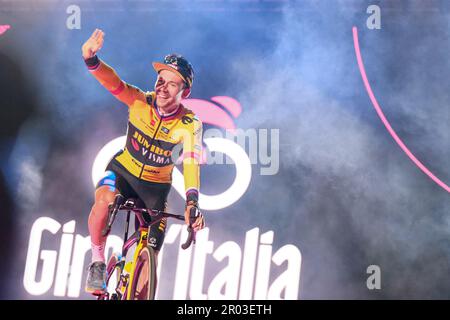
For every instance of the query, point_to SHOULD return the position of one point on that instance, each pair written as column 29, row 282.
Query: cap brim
column 158, row 66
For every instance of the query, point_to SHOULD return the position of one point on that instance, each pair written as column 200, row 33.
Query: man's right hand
column 93, row 44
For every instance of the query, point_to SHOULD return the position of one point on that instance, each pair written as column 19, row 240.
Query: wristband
column 92, row 63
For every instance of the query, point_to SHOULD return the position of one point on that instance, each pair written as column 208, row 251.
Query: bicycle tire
column 113, row 266
column 144, row 277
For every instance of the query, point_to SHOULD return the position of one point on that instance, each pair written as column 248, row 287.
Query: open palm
column 93, row 44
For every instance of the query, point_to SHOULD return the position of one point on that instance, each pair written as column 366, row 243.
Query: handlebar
column 120, row 204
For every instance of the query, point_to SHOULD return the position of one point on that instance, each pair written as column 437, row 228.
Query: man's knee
column 103, row 197
column 100, row 207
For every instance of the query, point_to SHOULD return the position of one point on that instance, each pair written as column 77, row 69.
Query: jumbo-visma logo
column 209, row 113
column 141, row 146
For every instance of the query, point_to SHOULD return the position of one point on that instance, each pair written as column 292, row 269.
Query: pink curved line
column 232, row 105
column 4, row 28
column 209, row 113
column 383, row 118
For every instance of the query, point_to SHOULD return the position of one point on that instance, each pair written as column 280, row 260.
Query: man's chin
column 163, row 103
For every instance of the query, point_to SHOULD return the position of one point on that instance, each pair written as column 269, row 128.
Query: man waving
column 157, row 122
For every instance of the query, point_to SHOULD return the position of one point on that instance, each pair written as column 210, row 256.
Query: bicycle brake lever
column 111, row 219
column 112, row 212
column 190, row 239
column 191, row 231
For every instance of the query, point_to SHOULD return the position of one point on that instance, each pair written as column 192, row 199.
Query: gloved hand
column 199, row 221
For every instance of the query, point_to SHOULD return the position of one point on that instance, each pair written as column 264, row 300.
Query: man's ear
column 186, row 93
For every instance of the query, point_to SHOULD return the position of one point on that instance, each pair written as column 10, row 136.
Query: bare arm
column 105, row 74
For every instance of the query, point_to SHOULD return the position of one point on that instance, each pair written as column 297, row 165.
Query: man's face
column 169, row 89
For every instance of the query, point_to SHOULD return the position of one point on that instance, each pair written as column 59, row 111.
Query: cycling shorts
column 152, row 194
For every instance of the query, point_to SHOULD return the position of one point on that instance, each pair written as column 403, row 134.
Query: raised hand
column 93, row 44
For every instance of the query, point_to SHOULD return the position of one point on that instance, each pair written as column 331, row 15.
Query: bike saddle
column 134, row 203
column 130, row 203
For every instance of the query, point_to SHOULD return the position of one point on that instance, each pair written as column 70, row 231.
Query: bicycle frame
column 139, row 237
column 142, row 234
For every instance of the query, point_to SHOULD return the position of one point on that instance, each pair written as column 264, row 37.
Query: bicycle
column 136, row 279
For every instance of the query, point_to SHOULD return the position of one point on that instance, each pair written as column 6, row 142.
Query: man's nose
column 163, row 86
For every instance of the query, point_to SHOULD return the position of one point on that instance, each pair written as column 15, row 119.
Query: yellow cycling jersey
column 152, row 139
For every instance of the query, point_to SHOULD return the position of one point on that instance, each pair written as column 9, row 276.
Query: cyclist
column 157, row 122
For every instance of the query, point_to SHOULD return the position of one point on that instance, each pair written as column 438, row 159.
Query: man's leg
column 104, row 195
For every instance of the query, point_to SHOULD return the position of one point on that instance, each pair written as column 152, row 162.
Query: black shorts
column 153, row 195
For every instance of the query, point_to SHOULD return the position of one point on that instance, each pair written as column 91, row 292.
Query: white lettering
column 274, row 159
column 203, row 247
column 263, row 271
column 82, row 246
column 183, row 269
column 226, row 280
column 48, row 257
column 248, row 265
column 65, row 252
column 374, row 21
column 246, row 274
column 289, row 280
column 374, row 281
column 74, row 20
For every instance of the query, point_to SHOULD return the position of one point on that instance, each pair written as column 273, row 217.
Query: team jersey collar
column 166, row 116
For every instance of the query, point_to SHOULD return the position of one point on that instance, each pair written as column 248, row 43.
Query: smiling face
column 170, row 90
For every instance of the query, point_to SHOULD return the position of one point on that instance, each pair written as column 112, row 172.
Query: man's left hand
column 199, row 221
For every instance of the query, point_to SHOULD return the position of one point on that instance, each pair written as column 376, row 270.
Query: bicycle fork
column 141, row 243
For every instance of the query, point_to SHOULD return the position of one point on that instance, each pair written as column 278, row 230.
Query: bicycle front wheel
column 113, row 272
column 144, row 277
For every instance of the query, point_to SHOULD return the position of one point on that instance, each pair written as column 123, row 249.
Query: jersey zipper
column 151, row 143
